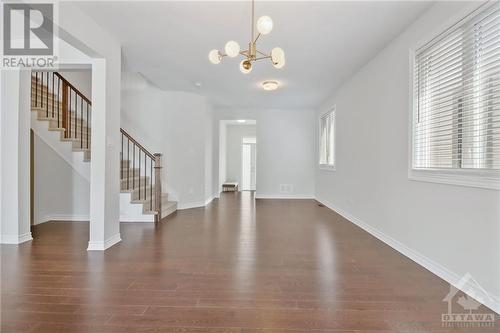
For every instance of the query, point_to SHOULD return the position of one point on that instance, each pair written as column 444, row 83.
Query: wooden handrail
column 63, row 102
column 137, row 143
column 129, row 146
column 73, row 88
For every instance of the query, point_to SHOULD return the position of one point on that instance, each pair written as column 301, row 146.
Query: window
column 327, row 140
column 456, row 98
column 249, row 140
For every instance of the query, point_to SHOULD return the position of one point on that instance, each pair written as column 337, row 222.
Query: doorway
column 248, row 164
column 238, row 155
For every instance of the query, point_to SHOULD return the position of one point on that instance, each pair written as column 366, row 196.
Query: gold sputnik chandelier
column 252, row 54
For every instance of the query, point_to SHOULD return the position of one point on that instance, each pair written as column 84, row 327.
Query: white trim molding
column 210, row 199
column 284, row 196
column 490, row 300
column 471, row 178
column 190, row 205
column 326, row 167
column 16, row 239
column 145, row 218
column 101, row 246
column 63, row 218
column 199, row 204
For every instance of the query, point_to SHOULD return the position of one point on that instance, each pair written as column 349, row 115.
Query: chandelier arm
column 256, row 38
column 264, row 54
column 266, row 57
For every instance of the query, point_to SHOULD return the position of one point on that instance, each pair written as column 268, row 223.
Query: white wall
column 457, row 228
column 178, row 125
column 220, row 163
column 80, row 78
column 185, row 129
column 15, row 168
column 15, row 119
column 80, row 31
column 285, row 149
column 60, row 193
column 235, row 135
column 210, row 194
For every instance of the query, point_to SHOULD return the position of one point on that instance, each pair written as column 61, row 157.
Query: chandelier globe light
column 232, row 49
column 245, row 66
column 264, row 25
column 214, row 56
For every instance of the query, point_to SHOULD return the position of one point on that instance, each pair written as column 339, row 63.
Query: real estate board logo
column 465, row 305
column 28, row 34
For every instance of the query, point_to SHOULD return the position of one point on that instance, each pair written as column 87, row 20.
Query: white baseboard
column 181, row 206
column 210, row 199
column 106, row 244
column 490, row 300
column 197, row 204
column 142, row 219
column 284, row 196
column 190, row 205
column 63, row 217
column 86, row 218
column 15, row 239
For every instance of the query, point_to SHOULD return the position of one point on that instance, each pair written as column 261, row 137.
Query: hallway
column 238, row 265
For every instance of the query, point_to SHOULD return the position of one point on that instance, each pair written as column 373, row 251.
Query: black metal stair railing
column 64, row 103
column 140, row 171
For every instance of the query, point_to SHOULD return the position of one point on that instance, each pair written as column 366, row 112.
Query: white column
column 15, row 156
column 104, row 167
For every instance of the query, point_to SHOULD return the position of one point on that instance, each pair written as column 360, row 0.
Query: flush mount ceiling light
column 270, row 85
column 251, row 55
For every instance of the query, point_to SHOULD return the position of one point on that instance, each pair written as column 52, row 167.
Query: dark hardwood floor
column 238, row 265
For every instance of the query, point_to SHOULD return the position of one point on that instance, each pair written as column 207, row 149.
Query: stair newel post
column 65, row 107
column 157, row 168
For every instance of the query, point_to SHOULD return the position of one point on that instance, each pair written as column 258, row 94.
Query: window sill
column 470, row 178
column 326, row 167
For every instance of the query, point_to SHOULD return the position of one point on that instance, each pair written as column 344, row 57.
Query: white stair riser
column 47, row 123
column 64, row 149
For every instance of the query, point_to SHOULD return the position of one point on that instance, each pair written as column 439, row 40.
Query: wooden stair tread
column 49, row 107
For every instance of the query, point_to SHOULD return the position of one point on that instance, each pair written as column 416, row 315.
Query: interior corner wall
column 285, row 149
column 455, row 228
column 60, row 193
column 220, row 163
column 209, row 155
column 179, row 125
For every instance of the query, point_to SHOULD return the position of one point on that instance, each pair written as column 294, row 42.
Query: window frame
column 480, row 178
column 328, row 167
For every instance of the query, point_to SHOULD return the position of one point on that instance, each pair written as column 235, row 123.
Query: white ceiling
column 325, row 42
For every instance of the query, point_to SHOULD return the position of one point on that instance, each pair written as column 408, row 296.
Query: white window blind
column 456, row 111
column 326, row 139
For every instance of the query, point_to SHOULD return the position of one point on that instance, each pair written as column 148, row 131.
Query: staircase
column 140, row 177
column 56, row 102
